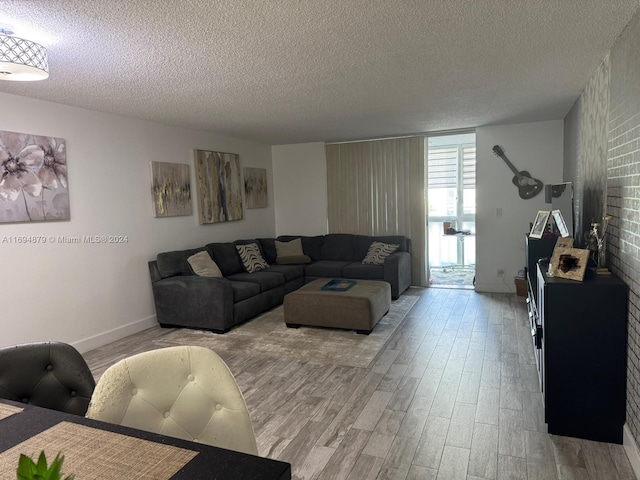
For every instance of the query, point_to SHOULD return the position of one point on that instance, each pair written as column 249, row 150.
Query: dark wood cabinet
column 582, row 355
column 535, row 250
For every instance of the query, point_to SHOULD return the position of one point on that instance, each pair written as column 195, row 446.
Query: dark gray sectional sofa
column 183, row 299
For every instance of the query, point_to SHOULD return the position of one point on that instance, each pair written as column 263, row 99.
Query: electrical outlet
column 500, row 272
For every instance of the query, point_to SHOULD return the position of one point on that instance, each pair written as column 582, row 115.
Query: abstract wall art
column 219, row 187
column 255, row 187
column 170, row 189
column 33, row 178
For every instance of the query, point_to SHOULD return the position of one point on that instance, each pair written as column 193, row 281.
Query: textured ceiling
column 290, row 71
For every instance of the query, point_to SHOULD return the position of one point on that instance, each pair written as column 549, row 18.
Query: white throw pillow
column 289, row 249
column 251, row 257
column 203, row 265
column 378, row 251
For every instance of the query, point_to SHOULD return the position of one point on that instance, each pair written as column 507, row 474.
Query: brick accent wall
column 602, row 158
column 623, row 196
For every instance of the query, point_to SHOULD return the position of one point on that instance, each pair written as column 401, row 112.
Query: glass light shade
column 22, row 60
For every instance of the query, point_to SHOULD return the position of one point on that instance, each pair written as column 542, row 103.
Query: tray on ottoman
column 358, row 308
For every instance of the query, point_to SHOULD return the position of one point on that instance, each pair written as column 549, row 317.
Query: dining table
column 94, row 449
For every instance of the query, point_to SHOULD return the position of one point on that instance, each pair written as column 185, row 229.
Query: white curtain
column 378, row 188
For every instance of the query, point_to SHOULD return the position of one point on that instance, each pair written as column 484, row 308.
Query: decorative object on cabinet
column 581, row 355
column 170, row 189
column 33, row 173
column 569, row 263
column 564, row 242
column 539, row 224
column 596, row 243
column 219, row 187
column 562, row 226
column 255, row 187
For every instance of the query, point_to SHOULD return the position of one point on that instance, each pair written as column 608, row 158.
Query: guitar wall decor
column 528, row 187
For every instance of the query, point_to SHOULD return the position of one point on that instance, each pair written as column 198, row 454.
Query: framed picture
column 564, row 242
column 539, row 224
column 255, row 187
column 570, row 263
column 559, row 219
column 218, row 186
column 34, row 185
column 170, row 189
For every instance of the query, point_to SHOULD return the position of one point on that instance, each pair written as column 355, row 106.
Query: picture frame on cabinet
column 563, row 242
column 569, row 263
column 560, row 223
column 539, row 224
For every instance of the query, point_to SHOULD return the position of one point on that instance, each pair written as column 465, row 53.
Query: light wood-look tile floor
column 454, row 395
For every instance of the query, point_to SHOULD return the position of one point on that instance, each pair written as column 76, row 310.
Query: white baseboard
column 494, row 288
column 631, row 447
column 109, row 336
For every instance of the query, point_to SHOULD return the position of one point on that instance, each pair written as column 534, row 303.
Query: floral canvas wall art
column 218, row 185
column 255, row 187
column 33, row 178
column 170, row 189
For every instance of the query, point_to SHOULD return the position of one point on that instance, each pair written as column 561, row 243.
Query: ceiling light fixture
column 20, row 59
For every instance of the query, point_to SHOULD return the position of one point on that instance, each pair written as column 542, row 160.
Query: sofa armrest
column 397, row 271
column 154, row 272
column 194, row 302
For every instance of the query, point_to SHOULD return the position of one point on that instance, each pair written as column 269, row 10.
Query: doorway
column 451, row 210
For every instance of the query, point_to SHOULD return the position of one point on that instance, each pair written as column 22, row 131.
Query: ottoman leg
column 363, row 332
column 292, row 325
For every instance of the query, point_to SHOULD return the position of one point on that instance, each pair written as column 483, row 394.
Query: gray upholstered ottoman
column 358, row 308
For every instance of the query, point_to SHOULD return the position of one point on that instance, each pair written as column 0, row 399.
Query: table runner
column 8, row 410
column 90, row 453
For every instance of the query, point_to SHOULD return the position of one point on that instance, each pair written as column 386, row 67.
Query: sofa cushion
column 226, row 257
column 290, row 248
column 251, row 257
column 265, row 279
column 289, row 272
column 293, row 260
column 325, row 268
column 175, row 263
column 203, row 266
column 363, row 242
column 378, row 251
column 365, row 272
column 268, row 247
column 311, row 246
column 338, row 247
column 244, row 290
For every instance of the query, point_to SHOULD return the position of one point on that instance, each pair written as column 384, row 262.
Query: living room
column 91, row 294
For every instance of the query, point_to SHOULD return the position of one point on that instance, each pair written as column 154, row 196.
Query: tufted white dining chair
column 185, row 392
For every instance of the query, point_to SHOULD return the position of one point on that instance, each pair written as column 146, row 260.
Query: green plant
column 29, row 470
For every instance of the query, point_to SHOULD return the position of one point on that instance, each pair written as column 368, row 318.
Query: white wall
column 89, row 294
column 300, row 187
column 534, row 147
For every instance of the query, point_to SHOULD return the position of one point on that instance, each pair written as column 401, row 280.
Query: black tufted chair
column 46, row 374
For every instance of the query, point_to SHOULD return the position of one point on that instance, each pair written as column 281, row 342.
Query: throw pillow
column 378, row 251
column 289, row 249
column 203, row 265
column 251, row 257
column 293, row 260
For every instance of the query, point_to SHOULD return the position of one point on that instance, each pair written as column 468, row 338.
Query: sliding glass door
column 451, row 201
